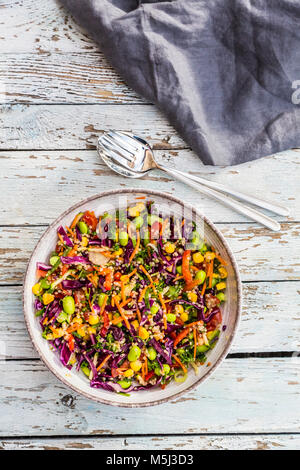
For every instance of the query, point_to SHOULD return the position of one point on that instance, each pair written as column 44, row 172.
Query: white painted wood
column 243, row 396
column 75, row 78
column 57, row 179
column 261, row 254
column 40, row 26
column 270, row 320
column 180, row 442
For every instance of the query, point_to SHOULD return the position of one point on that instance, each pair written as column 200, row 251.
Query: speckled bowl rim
column 239, row 297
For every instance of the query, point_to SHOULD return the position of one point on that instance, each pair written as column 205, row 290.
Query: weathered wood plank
column 261, row 254
column 180, row 442
column 77, row 126
column 74, row 78
column 270, row 320
column 40, row 26
column 48, row 176
column 243, row 396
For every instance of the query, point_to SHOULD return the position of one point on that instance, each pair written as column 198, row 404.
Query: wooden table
column 57, row 93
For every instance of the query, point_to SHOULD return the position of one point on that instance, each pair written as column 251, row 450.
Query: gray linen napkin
column 222, row 71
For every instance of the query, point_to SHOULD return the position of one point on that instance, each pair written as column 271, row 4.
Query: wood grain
column 75, row 78
column 243, row 396
column 270, row 320
column 220, row 442
column 57, row 179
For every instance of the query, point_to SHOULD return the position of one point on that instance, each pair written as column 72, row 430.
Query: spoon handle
column 228, row 201
column 270, row 206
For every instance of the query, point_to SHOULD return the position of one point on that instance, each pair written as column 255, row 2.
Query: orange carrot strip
column 76, row 220
column 104, row 361
column 163, row 227
column 180, row 363
column 146, row 366
column 178, row 277
column 123, row 292
column 194, row 323
column 211, row 272
column 122, row 314
column 115, row 321
column 142, row 294
column 203, row 288
column 125, row 303
column 195, row 344
column 138, row 314
column 222, row 261
column 181, row 336
column 132, row 273
column 136, row 249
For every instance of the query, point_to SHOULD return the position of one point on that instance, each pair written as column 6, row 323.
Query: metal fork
column 132, row 157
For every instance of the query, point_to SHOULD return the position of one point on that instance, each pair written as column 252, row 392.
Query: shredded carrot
column 211, row 272
column 115, row 321
column 183, row 222
column 142, row 293
column 132, row 273
column 195, row 344
column 163, row 227
column 73, row 328
column 125, row 303
column 122, row 314
column 178, row 277
column 149, row 277
column 93, row 278
column 123, row 292
column 143, row 371
column 199, row 322
column 140, row 197
column 104, row 304
column 222, row 261
column 61, row 238
column 138, row 314
column 203, row 288
column 194, row 268
column 146, row 366
column 136, row 249
column 164, row 310
column 181, row 336
column 180, row 363
column 104, row 361
column 76, row 220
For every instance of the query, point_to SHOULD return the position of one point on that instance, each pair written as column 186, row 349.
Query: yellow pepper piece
column 92, row 331
column 179, row 309
column 221, row 286
column 184, row 317
column 48, row 298
column 198, row 257
column 136, row 365
column 135, row 324
column 93, row 319
column 118, row 252
column 84, row 241
column 134, row 211
column 223, row 272
column 36, row 289
column 209, row 255
column 192, row 296
column 143, row 333
column 169, row 248
column 128, row 373
column 81, row 331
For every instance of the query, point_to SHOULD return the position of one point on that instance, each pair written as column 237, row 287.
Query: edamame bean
column 171, row 317
column 154, row 309
column 53, row 260
column 124, row 383
column 138, row 221
column 151, row 353
column 101, row 299
column 179, row 269
column 123, row 238
column 83, row 227
column 134, row 353
column 45, row 284
column 69, row 304
column 165, row 371
column 200, row 276
column 221, row 296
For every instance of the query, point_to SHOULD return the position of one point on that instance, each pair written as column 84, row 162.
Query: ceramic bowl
column 76, row 380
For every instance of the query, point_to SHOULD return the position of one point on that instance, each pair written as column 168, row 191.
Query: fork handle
column 270, row 206
column 228, row 201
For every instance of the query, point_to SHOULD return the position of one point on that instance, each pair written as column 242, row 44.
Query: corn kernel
column 81, row 331
column 58, row 333
column 223, row 272
column 221, row 286
column 93, row 319
column 143, row 333
column 184, row 317
column 118, row 252
column 128, row 373
column 133, row 211
column 110, row 316
column 136, row 365
column 209, row 255
column 84, row 241
column 140, row 206
column 48, row 298
column 92, row 331
column 135, row 324
column 179, row 308
column 169, row 248
column 198, row 257
column 36, row 289
column 192, row 296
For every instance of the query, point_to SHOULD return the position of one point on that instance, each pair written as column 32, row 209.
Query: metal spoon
column 132, row 157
